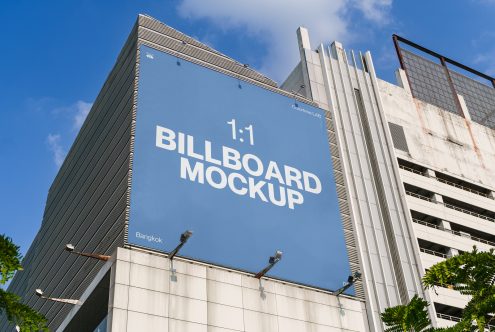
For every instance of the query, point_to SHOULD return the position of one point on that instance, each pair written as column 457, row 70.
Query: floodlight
column 183, row 239
column 271, row 262
column 350, row 281
column 71, row 249
column 185, row 236
column 275, row 258
column 39, row 292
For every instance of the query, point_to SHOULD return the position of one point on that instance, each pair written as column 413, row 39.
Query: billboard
column 246, row 169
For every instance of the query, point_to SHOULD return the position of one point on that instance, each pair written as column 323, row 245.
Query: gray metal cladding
column 156, row 35
column 156, row 32
column 398, row 137
column 480, row 98
column 343, row 205
column 87, row 201
column 429, row 82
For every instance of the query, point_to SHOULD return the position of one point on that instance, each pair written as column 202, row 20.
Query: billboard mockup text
column 246, row 169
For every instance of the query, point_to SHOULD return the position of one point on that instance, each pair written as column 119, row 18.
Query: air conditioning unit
column 464, row 234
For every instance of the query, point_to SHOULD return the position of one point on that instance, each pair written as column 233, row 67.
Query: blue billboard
column 246, row 169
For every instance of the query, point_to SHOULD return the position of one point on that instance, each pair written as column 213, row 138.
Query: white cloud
column 374, row 10
column 486, row 62
column 81, row 109
column 56, row 148
column 274, row 22
column 67, row 120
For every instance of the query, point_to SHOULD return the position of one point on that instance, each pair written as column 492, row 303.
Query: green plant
column 470, row 273
column 412, row 317
column 17, row 312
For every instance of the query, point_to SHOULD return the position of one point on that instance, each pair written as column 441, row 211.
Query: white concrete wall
column 375, row 203
column 438, row 140
column 445, row 141
column 143, row 297
column 448, row 143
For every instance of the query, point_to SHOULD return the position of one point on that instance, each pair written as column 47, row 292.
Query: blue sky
column 56, row 55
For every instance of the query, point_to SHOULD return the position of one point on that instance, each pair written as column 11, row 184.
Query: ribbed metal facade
column 87, row 201
column 345, row 213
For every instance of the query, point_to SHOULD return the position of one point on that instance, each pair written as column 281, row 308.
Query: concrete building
column 417, row 160
column 412, row 172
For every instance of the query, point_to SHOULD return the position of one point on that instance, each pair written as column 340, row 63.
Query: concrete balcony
column 427, row 206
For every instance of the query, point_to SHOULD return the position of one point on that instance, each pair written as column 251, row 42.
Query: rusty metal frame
column 446, row 60
column 443, row 62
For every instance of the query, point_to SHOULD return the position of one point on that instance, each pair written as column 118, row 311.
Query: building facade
column 418, row 163
column 412, row 176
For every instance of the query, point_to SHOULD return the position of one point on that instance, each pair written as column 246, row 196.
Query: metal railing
column 450, row 183
column 450, row 206
column 425, row 198
column 465, row 235
column 458, row 319
column 474, row 191
column 409, row 169
column 448, row 317
column 433, row 252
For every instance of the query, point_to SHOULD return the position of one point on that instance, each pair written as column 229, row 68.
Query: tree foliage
column 16, row 312
column 407, row 318
column 10, row 259
column 470, row 273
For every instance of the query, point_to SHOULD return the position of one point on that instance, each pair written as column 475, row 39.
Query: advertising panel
column 247, row 170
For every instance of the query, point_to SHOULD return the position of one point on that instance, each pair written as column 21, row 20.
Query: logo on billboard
column 149, row 238
column 219, row 166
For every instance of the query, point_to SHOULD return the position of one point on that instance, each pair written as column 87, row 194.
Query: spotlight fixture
column 271, row 263
column 183, row 239
column 350, row 281
column 71, row 249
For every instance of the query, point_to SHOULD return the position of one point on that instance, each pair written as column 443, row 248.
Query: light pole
column 183, row 239
column 71, row 249
column 271, row 263
column 350, row 281
column 41, row 295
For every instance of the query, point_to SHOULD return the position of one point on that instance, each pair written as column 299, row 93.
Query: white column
column 452, row 252
column 464, row 108
column 402, row 81
column 445, row 224
column 429, row 173
column 436, row 198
